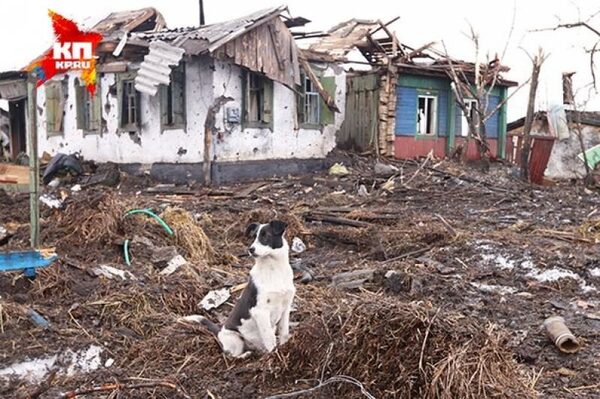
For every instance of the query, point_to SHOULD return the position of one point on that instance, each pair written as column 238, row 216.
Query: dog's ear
column 278, row 227
column 251, row 229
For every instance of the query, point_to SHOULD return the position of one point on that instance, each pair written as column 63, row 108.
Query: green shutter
column 178, row 93
column 327, row 115
column 54, row 110
column 163, row 94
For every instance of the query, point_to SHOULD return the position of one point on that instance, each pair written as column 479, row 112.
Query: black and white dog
column 263, row 310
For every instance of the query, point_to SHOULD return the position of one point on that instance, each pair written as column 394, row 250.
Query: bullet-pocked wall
column 286, row 138
column 205, row 80
column 151, row 143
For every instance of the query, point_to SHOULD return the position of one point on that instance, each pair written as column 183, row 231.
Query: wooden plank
column 14, row 174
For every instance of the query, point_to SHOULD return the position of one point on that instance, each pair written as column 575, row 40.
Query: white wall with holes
column 285, row 140
column 206, row 79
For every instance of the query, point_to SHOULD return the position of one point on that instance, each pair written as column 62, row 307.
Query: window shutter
column 96, row 111
column 178, row 92
column 163, row 93
column 62, row 90
column 80, row 103
column 327, row 115
column 268, row 100
column 50, row 108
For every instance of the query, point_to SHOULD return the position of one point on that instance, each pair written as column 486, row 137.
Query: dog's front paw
column 284, row 338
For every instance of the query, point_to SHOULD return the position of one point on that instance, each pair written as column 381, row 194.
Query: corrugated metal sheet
column 209, row 37
column 156, row 68
column 541, row 150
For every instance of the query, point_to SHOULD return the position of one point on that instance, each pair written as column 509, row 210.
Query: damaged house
column 404, row 106
column 558, row 132
column 219, row 102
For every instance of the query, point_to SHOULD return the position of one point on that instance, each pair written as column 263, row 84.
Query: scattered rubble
column 449, row 270
column 214, row 299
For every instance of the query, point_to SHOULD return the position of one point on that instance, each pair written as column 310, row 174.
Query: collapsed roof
column 388, row 50
column 584, row 117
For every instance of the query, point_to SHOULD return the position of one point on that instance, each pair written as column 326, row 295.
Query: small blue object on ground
column 28, row 261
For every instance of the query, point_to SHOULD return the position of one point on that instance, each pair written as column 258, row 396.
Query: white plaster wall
column 235, row 144
column 564, row 163
column 154, row 145
column 151, row 144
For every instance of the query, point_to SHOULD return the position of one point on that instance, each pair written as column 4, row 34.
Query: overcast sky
column 25, row 30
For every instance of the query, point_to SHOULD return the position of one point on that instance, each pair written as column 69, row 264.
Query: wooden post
column 34, row 162
column 538, row 60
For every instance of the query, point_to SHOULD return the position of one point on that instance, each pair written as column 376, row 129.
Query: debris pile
column 401, row 350
column 434, row 284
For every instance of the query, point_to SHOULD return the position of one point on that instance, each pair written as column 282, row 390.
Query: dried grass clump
column 177, row 349
column 189, row 235
column 400, row 350
column 90, row 220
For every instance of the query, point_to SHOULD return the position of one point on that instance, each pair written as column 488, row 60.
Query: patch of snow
column 84, row 361
column 34, row 371
column 500, row 261
column 527, row 266
column 556, row 274
column 551, row 275
column 31, row 371
column 500, row 289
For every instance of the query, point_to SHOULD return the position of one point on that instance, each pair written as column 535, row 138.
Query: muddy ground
column 460, row 269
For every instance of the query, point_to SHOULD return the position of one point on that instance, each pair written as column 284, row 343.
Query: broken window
column 471, row 106
column 129, row 99
column 89, row 111
column 427, row 115
column 258, row 100
column 312, row 110
column 309, row 103
column 55, row 106
column 172, row 99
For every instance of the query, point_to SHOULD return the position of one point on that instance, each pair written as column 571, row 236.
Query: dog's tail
column 210, row 326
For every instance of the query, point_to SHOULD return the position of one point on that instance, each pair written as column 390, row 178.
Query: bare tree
column 582, row 23
column 476, row 81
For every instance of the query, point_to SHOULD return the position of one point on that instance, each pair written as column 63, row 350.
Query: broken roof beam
column 418, row 51
column 391, row 35
column 329, row 101
column 381, row 26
